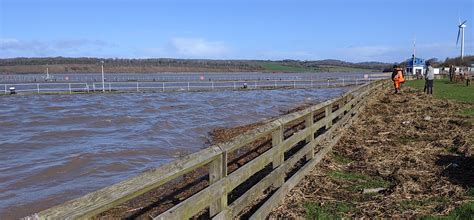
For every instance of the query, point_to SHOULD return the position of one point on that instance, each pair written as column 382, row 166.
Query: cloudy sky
column 364, row 30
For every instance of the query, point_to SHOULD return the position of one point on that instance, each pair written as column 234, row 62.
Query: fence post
column 234, row 85
column 218, row 170
column 137, row 87
column 279, row 157
column 69, row 88
column 311, row 82
column 5, row 88
column 327, row 114
column 342, row 81
column 294, row 84
column 163, row 86
column 188, row 86
column 93, row 86
column 255, row 84
column 38, row 87
column 328, row 83
column 275, row 84
column 308, row 123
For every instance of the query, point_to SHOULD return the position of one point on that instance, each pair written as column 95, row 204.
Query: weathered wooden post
column 328, row 112
column 217, row 171
column 308, row 122
column 279, row 157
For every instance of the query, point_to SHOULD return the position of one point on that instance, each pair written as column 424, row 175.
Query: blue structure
column 415, row 66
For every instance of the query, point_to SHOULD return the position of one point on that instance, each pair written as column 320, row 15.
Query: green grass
column 414, row 204
column 341, row 159
column 276, row 67
column 465, row 211
column 359, row 181
column 469, row 112
column 331, row 210
column 443, row 88
column 470, row 192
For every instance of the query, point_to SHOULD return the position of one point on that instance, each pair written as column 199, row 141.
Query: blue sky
column 365, row 30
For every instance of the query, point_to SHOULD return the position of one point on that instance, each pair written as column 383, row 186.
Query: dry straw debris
column 413, row 150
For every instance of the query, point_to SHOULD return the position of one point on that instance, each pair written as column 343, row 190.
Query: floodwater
column 54, row 148
column 175, row 77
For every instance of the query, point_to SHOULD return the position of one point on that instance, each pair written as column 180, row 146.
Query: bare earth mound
column 412, row 151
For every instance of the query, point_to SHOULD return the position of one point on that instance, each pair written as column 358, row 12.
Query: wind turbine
column 461, row 27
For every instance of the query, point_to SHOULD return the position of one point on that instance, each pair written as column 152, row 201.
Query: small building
column 415, row 66
column 471, row 67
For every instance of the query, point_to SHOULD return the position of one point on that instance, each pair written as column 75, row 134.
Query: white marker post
column 103, row 80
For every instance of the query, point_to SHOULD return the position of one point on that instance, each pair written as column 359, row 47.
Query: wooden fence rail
column 338, row 112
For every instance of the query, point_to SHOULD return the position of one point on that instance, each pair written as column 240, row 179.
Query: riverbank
column 408, row 156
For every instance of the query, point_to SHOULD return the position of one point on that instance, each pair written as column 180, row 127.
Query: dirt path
column 414, row 147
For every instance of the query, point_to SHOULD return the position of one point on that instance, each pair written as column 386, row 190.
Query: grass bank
column 395, row 162
column 459, row 92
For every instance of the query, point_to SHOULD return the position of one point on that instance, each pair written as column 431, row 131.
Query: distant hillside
column 114, row 65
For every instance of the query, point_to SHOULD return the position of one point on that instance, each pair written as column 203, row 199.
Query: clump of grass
column 332, row 210
column 347, row 175
column 468, row 112
column 465, row 211
column 414, row 204
column 341, row 159
column 470, row 192
column 359, row 181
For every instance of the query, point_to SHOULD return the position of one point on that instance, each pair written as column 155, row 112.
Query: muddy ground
column 413, row 151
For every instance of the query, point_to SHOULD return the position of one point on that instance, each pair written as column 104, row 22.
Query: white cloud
column 198, row 48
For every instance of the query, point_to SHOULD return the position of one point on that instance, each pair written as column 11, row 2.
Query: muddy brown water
column 54, row 148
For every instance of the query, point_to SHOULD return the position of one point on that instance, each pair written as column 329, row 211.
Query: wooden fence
column 317, row 137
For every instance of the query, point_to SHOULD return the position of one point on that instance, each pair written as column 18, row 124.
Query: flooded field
column 54, row 148
column 172, row 77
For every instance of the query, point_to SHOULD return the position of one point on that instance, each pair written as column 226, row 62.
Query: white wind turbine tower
column 461, row 27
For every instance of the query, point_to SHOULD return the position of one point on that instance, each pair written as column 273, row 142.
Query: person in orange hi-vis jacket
column 398, row 78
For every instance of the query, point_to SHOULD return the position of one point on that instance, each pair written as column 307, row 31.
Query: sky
column 350, row 30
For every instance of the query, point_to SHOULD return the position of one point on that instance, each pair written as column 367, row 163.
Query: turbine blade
column 459, row 32
column 463, row 22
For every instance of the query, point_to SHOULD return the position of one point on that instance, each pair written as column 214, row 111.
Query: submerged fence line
column 303, row 137
column 42, row 88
